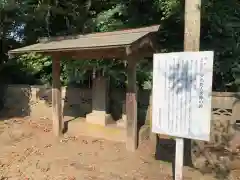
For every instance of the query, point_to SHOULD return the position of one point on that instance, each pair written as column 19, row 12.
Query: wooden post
column 192, row 25
column 191, row 43
column 56, row 97
column 131, row 106
column 179, row 159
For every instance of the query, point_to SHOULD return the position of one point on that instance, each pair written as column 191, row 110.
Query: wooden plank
column 131, row 106
column 179, row 159
column 56, row 97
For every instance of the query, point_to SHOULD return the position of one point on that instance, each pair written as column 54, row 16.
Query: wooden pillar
column 192, row 25
column 131, row 106
column 56, row 97
column 191, row 43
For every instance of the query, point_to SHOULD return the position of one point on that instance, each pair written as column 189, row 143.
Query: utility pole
column 192, row 21
column 192, row 39
column 192, row 25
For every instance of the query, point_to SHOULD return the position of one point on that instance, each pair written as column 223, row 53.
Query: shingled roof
column 114, row 43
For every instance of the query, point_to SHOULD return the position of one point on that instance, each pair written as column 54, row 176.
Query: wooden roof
column 116, row 44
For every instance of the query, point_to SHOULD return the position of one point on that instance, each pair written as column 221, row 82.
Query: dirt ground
column 29, row 151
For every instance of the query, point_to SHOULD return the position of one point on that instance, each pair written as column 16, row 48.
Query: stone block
column 99, row 117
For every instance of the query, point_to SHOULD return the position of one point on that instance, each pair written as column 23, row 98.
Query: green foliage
column 38, row 65
column 167, row 7
column 73, row 71
column 221, row 33
column 30, row 19
column 107, row 21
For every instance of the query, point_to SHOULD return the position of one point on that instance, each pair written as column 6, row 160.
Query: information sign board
column 182, row 87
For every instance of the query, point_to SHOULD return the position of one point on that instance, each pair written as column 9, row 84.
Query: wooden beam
column 102, row 53
column 145, row 46
column 56, row 97
column 131, row 106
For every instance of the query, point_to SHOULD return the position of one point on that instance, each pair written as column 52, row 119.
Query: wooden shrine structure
column 129, row 45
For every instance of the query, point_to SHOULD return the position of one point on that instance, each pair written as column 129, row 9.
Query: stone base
column 79, row 127
column 122, row 123
column 144, row 133
column 100, row 118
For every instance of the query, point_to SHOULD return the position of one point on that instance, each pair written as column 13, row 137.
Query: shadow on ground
column 165, row 151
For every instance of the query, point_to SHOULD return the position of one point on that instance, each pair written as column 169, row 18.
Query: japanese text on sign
column 182, row 86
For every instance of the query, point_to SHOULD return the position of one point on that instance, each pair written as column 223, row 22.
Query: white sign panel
column 182, row 87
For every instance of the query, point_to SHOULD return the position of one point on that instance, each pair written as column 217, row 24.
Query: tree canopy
column 23, row 22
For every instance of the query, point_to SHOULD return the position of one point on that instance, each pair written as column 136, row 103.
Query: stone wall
column 221, row 153
column 24, row 100
column 35, row 101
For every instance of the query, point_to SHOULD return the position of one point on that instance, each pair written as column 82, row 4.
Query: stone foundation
column 99, row 117
column 123, row 122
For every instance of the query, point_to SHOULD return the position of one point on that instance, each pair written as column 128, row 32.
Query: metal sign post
column 182, row 86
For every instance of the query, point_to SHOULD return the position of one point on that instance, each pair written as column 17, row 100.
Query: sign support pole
column 179, row 158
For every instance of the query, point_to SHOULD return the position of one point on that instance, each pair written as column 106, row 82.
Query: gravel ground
column 29, row 151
